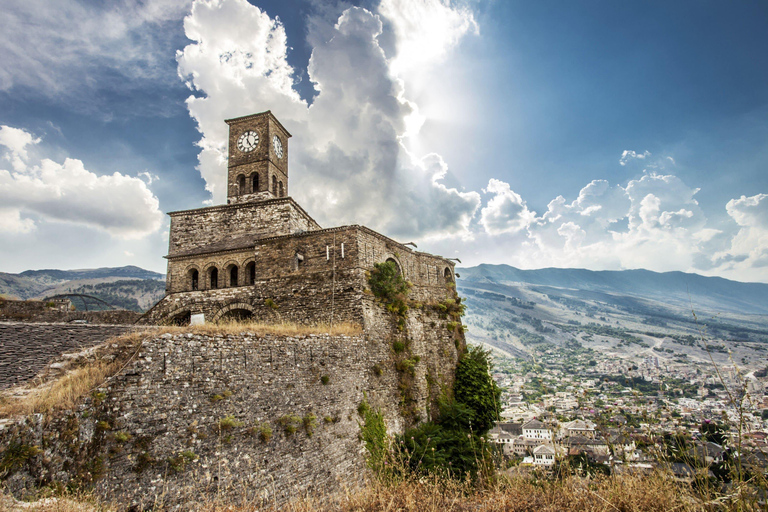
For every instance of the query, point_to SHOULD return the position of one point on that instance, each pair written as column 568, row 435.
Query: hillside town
column 611, row 414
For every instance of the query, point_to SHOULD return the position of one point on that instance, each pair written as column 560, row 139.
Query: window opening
column 195, row 279
column 241, row 184
column 233, row 276
column 214, row 278
column 250, row 271
column 280, row 189
column 255, row 183
column 274, row 186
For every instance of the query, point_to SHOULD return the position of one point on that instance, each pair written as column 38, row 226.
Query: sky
column 594, row 134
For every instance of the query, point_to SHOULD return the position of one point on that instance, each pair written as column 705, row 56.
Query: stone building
column 262, row 256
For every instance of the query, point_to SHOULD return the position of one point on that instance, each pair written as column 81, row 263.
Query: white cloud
column 505, row 212
column 628, row 155
column 748, row 248
column 54, row 48
column 347, row 162
column 120, row 205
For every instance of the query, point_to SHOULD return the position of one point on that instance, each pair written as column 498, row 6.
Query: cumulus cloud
column 505, row 212
column 628, row 155
column 48, row 47
column 120, row 205
column 347, row 161
column 748, row 248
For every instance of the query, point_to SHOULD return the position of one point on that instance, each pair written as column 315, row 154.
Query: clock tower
column 258, row 158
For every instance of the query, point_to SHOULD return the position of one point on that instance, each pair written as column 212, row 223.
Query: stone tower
column 258, row 158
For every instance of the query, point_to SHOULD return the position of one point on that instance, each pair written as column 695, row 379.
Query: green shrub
column 325, row 379
column 229, row 422
column 398, row 346
column 310, row 422
column 290, row 423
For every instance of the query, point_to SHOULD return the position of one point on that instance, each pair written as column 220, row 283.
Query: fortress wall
column 308, row 291
column 130, row 442
column 41, row 311
column 193, row 229
column 26, row 348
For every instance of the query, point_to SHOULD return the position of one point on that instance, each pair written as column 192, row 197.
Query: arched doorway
column 448, row 275
column 183, row 318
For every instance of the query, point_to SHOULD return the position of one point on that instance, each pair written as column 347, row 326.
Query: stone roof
column 544, row 449
column 535, row 425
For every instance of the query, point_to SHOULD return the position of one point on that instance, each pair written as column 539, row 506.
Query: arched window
column 274, row 186
column 280, row 189
column 250, row 273
column 448, row 276
column 241, row 184
column 233, row 275
column 213, row 275
column 255, row 183
column 397, row 265
column 194, row 279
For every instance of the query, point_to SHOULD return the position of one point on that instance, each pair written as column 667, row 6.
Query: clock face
column 248, row 141
column 278, row 146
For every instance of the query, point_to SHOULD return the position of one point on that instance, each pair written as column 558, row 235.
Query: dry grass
column 84, row 372
column 526, row 493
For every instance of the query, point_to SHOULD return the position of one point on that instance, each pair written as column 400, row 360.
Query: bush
column 475, row 388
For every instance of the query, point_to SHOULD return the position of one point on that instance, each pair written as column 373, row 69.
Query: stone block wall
column 186, row 421
column 311, row 276
column 194, row 229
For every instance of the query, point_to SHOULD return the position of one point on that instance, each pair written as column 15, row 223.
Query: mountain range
column 680, row 289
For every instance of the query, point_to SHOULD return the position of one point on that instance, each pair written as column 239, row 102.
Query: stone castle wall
column 328, row 281
column 26, row 348
column 155, row 432
column 202, row 227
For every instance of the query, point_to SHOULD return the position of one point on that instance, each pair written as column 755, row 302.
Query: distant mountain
column 674, row 288
column 129, row 287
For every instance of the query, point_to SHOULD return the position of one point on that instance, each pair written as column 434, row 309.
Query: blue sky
column 593, row 134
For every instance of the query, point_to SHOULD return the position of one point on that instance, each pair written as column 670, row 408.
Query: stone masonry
column 261, row 248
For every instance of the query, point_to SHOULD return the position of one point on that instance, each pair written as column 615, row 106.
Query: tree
column 476, row 389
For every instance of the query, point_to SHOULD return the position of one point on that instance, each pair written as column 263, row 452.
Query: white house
column 544, row 455
column 535, row 429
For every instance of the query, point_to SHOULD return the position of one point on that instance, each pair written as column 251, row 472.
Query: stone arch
column 193, row 278
column 254, row 178
column 241, row 184
column 180, row 316
column 397, row 264
column 234, row 309
column 212, row 277
column 274, row 186
column 448, row 275
column 280, row 192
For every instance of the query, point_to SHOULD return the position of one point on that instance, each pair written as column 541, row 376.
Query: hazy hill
column 128, row 287
column 676, row 288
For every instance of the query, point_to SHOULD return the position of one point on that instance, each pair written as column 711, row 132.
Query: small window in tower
column 280, row 189
column 274, row 186
column 250, row 272
column 241, row 185
column 255, row 183
column 214, row 277
column 194, row 278
column 298, row 261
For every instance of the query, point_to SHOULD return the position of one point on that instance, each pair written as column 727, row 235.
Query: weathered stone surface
column 26, row 348
column 186, row 420
column 40, row 311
